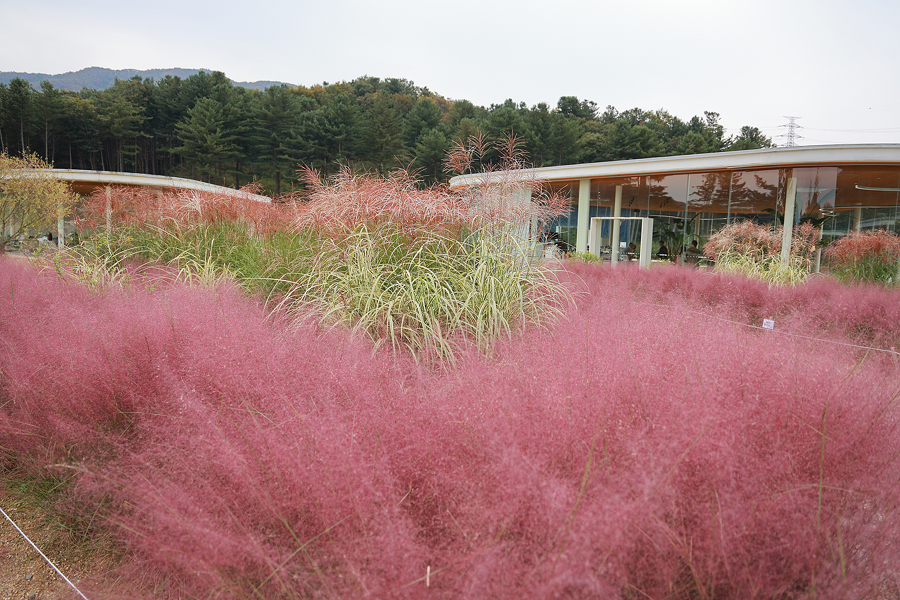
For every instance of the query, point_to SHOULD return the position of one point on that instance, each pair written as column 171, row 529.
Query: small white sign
column 768, row 324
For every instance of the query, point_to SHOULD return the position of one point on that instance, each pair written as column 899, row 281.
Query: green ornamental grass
column 426, row 294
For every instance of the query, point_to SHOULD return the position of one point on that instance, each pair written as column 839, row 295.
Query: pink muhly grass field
column 650, row 444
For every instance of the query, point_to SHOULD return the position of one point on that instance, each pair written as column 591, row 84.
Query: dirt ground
column 24, row 575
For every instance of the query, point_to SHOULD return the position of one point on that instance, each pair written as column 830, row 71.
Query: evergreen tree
column 504, row 120
column 47, row 117
column 463, row 119
column 205, row 141
column 539, row 142
column 750, row 138
column 167, row 106
column 340, row 128
column 431, row 149
column 120, row 124
column 277, row 134
column 425, row 114
column 566, row 136
column 80, row 126
column 17, row 111
column 570, row 106
column 383, row 133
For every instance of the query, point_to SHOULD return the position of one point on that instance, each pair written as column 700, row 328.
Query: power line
column 884, row 129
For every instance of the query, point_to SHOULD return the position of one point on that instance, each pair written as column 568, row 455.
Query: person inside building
column 663, row 252
column 692, row 254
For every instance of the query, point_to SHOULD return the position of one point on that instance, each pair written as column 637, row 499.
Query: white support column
column 788, row 230
column 584, row 212
column 616, row 227
column 857, row 218
column 646, row 241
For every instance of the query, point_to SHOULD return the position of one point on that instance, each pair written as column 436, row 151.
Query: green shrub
column 586, row 257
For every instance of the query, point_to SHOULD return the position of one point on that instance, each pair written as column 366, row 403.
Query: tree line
column 204, row 127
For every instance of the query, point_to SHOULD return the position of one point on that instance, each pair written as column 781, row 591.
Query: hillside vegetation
column 203, row 126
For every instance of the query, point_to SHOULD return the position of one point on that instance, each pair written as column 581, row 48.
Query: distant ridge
column 99, row 78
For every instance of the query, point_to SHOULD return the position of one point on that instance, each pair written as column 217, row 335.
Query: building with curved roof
column 841, row 189
column 86, row 182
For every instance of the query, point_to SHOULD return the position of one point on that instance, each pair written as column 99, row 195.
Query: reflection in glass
column 707, row 205
column 755, row 195
column 685, row 207
column 667, row 204
column 866, row 198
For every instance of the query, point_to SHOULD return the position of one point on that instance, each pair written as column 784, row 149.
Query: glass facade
column 839, row 199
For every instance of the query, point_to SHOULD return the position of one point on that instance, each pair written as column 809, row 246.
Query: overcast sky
column 833, row 63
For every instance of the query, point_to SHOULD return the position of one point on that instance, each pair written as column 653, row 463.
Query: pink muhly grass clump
column 820, row 307
column 643, row 446
column 216, row 445
column 60, row 366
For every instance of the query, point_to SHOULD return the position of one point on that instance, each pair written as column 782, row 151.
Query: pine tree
column 205, row 141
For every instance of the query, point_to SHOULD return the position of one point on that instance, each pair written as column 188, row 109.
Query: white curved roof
column 103, row 178
column 716, row 161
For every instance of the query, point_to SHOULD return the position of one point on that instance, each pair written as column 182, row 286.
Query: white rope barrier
column 44, row 556
column 772, row 329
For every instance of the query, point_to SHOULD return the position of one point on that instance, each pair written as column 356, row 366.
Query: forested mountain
column 206, row 127
column 98, row 78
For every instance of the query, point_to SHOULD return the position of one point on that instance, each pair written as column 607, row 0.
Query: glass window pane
column 756, row 195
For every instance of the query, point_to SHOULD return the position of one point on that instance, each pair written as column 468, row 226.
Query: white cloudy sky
column 833, row 63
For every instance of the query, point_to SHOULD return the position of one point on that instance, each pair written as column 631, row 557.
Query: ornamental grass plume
column 865, row 257
column 753, row 249
column 350, row 200
column 430, row 295
column 142, row 208
column 644, row 446
column 745, row 237
column 505, row 190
